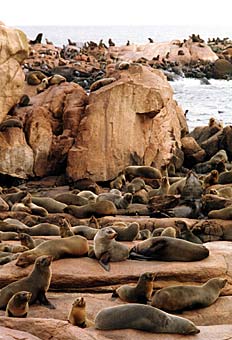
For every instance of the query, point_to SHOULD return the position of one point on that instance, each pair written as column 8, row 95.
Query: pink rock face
column 181, row 52
column 133, row 116
column 11, row 334
column 14, row 49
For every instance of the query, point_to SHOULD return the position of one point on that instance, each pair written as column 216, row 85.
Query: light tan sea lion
column 142, row 317
column 35, row 77
column 169, row 231
column 107, row 249
column 121, row 202
column 12, row 248
column 71, row 199
column 223, row 214
column 89, row 195
column 18, row 305
column 77, row 315
column 141, row 293
column 37, row 282
column 178, row 298
column 70, row 246
column 43, row 229
column 135, row 185
column 50, row 204
column 118, row 182
column 101, row 82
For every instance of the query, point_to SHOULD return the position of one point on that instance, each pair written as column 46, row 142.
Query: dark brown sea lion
column 128, row 233
column 141, row 293
column 185, row 233
column 165, row 248
column 142, row 171
column 37, row 282
column 143, row 317
column 178, row 298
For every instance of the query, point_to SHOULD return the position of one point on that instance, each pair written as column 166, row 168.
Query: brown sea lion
column 101, row 82
column 165, row 248
column 119, row 181
column 86, row 231
column 71, row 199
column 77, row 315
column 43, row 229
column 18, row 305
column 127, row 233
column 97, row 209
column 35, row 77
column 141, row 293
column 8, row 235
column 223, row 214
column 93, row 222
column 169, row 231
column 121, row 202
column 107, row 249
column 142, row 171
column 50, row 204
column 186, row 233
column 37, row 282
column 211, row 179
column 225, row 177
column 65, row 228
column 89, row 195
column 178, row 298
column 73, row 246
column 27, row 241
column 143, row 317
column 12, row 248
column 143, row 234
column 136, row 185
column 162, row 190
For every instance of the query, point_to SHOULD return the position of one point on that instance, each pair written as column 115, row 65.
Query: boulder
column 135, row 117
column 14, row 49
column 193, row 153
column 222, row 68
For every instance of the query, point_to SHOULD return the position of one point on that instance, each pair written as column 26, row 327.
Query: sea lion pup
column 91, row 196
column 100, row 83
column 210, row 179
column 50, row 204
column 77, row 314
column 165, row 248
column 65, row 229
column 127, row 233
column 74, row 246
column 157, row 232
column 107, row 249
column 27, row 241
column 142, row 171
column 97, row 209
column 143, row 317
column 186, row 233
column 141, row 293
column 169, row 231
column 135, row 185
column 162, row 190
column 121, row 202
column 143, row 234
column 179, row 298
column 119, row 181
column 69, row 198
column 37, row 282
column 84, row 230
column 93, row 223
column 18, row 305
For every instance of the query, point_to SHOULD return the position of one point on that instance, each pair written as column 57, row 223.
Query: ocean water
column 201, row 101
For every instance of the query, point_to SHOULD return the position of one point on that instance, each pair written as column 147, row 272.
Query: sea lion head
column 79, row 302
column 108, row 232
column 25, row 259
column 147, row 276
column 22, row 297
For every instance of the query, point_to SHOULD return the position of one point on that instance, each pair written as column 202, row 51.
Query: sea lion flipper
column 114, row 295
column 104, row 261
column 44, row 301
column 135, row 256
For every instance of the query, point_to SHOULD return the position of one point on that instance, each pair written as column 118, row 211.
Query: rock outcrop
column 133, row 119
column 14, row 49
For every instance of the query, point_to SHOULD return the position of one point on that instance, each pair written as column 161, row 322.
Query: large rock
column 182, row 52
column 14, row 49
column 133, row 117
column 11, row 334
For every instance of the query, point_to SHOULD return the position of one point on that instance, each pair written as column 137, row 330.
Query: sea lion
column 20, row 207
column 178, row 298
column 12, row 248
column 127, row 233
column 27, row 241
column 71, row 199
column 192, row 188
column 65, row 229
column 101, row 82
column 157, row 232
column 107, row 249
column 169, row 231
column 74, row 246
column 143, row 317
column 186, row 233
column 91, row 196
column 93, row 222
column 86, row 231
column 97, row 209
column 8, row 235
column 225, row 177
column 18, row 305
column 37, row 282
column 8, row 258
column 77, row 314
column 223, row 214
column 50, row 204
column 143, row 234
column 141, row 293
column 34, row 208
column 121, row 202
column 136, row 185
column 142, row 171
column 119, row 181
column 37, row 40
column 210, row 179
column 14, row 197
column 165, row 248
column 35, row 77
column 43, row 229
column 162, row 190
column 11, row 122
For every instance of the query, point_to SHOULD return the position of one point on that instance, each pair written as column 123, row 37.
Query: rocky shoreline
column 101, row 118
